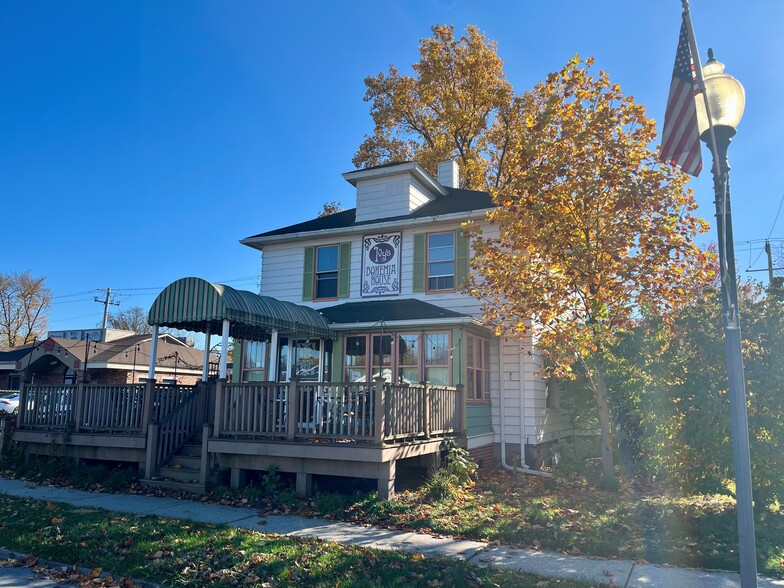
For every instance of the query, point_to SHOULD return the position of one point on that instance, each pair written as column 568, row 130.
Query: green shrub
column 460, row 465
column 440, row 485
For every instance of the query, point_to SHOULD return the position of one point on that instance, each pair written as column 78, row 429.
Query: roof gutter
column 463, row 320
column 259, row 242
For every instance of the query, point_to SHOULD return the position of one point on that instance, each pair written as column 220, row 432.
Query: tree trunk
column 600, row 390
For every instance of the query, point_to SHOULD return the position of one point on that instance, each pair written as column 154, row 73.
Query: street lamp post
column 725, row 100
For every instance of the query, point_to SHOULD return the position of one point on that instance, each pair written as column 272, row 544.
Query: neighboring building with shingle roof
column 123, row 359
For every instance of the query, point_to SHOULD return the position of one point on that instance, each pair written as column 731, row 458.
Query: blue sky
column 140, row 141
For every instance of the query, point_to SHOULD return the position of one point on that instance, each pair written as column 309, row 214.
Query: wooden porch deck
column 345, row 428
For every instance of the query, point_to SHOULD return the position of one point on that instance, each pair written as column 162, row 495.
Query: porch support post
column 380, row 411
column 292, row 408
column 386, row 480
column 204, row 469
column 461, row 425
column 426, row 404
column 149, row 399
column 238, row 478
column 151, row 455
column 23, row 416
column 205, row 366
column 224, row 348
column 218, row 407
column 153, row 352
column 273, row 358
column 79, row 406
column 304, row 484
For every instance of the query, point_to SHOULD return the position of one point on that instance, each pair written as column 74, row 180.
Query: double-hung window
column 326, row 279
column 441, row 261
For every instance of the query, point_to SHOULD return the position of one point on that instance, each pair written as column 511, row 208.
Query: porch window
column 441, row 261
column 437, row 354
column 478, row 364
column 326, row 272
column 407, row 358
column 408, row 350
column 254, row 361
column 356, row 359
column 382, row 357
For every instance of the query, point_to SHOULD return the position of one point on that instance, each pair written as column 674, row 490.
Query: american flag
column 681, row 137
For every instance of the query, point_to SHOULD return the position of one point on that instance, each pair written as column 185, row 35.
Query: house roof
column 376, row 311
column 13, row 354
column 72, row 352
column 456, row 200
column 194, row 304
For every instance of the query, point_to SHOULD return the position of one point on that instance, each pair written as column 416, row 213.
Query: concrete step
column 189, row 487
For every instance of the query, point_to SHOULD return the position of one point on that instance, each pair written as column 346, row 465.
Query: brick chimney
column 449, row 174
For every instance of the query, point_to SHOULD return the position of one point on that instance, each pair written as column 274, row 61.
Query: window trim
column 316, row 273
column 428, row 290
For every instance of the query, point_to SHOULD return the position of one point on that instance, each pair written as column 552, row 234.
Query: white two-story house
column 387, row 276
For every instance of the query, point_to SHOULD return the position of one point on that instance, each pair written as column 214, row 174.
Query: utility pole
column 106, row 302
column 770, row 263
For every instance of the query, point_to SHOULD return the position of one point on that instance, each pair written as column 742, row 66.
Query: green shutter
column 307, row 274
column 344, row 271
column 461, row 259
column 419, row 263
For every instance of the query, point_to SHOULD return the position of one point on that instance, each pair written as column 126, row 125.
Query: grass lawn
column 173, row 552
column 694, row 531
column 527, row 511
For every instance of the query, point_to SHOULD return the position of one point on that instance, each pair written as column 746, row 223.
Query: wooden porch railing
column 119, row 409
column 122, row 409
column 46, row 407
column 338, row 411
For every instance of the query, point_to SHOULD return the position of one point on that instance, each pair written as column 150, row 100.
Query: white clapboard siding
column 387, row 197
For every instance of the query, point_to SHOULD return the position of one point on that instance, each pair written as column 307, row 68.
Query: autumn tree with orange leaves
column 590, row 229
column 446, row 110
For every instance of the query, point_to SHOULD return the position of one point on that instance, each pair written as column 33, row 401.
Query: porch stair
column 181, row 472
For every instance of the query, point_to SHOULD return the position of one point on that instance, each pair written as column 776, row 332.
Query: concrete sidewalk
column 625, row 574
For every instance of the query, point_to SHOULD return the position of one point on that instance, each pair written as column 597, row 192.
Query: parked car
column 9, row 404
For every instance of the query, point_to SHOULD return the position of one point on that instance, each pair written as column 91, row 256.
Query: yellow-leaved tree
column 445, row 111
column 590, row 228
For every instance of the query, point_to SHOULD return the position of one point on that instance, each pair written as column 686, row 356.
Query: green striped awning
column 194, row 304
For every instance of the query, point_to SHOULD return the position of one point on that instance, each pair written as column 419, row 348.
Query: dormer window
column 326, row 272
column 441, row 261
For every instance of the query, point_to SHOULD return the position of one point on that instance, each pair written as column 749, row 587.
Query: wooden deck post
column 79, row 407
column 23, row 418
column 304, row 484
column 149, row 401
column 386, row 480
column 204, row 469
column 292, row 408
column 380, row 411
column 426, row 404
column 218, row 406
column 152, row 451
